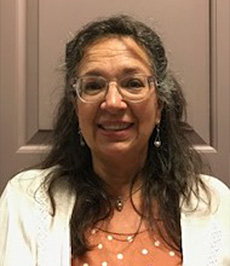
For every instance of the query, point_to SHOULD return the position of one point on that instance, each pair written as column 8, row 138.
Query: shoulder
column 215, row 185
column 212, row 198
column 20, row 211
column 30, row 180
column 219, row 192
column 27, row 191
column 27, row 183
column 26, row 220
column 220, row 200
column 25, row 188
column 205, row 223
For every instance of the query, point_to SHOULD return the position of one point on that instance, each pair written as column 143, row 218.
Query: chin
column 117, row 149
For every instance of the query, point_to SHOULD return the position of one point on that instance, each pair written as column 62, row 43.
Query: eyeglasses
column 134, row 88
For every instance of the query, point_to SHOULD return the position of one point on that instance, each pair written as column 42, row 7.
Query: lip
column 115, row 126
column 116, row 131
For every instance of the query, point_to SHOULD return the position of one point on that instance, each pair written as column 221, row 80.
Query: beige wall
column 32, row 38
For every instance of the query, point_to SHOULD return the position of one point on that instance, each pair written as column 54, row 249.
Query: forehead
column 114, row 54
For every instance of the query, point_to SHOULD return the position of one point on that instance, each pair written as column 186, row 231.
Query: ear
column 158, row 112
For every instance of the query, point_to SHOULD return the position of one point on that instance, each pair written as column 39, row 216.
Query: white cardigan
column 30, row 236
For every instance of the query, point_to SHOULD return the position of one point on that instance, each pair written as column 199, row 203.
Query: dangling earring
column 81, row 139
column 157, row 141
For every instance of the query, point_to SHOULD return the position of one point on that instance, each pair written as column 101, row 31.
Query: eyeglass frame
column 75, row 90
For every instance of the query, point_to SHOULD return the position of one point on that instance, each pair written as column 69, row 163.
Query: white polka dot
column 109, row 237
column 85, row 264
column 157, row 243
column 104, row 263
column 100, row 246
column 172, row 253
column 145, row 251
column 120, row 256
column 130, row 238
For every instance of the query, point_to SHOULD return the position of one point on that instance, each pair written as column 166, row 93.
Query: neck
column 119, row 174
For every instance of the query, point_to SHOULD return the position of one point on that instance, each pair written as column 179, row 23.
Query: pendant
column 119, row 204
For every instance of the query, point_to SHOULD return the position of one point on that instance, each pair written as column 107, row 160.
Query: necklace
column 119, row 204
column 120, row 201
column 122, row 237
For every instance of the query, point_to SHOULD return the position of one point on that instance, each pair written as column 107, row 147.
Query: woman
column 122, row 184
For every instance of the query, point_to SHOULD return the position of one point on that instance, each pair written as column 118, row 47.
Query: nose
column 113, row 99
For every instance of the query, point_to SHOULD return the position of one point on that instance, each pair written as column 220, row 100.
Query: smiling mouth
column 115, row 127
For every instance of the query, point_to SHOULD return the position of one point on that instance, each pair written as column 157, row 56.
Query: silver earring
column 81, row 139
column 157, row 83
column 157, row 141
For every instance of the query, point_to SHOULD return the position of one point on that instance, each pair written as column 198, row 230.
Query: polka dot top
column 116, row 250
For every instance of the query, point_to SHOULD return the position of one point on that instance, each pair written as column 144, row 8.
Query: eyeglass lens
column 94, row 88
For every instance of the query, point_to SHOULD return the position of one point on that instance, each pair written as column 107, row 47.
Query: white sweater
column 31, row 236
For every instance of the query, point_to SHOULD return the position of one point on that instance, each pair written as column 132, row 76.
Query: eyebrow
column 124, row 71
column 131, row 70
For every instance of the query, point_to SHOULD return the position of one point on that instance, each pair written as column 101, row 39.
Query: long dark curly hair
column 171, row 172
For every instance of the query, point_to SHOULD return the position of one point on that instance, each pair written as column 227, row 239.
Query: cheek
column 79, row 111
column 82, row 118
column 86, row 118
column 148, row 118
column 149, row 114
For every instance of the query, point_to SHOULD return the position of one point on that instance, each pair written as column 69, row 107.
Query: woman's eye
column 93, row 86
column 133, row 84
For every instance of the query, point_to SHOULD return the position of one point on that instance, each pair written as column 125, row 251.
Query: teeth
column 115, row 126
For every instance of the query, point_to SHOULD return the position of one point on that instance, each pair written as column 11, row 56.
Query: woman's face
column 114, row 126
